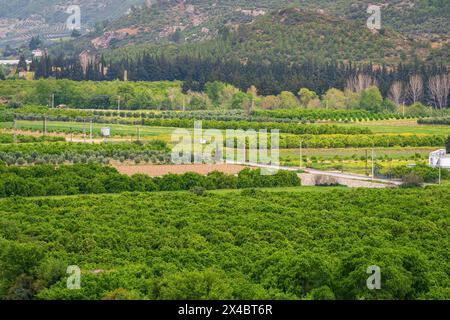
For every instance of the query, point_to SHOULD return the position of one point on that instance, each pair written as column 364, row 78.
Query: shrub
column 199, row 191
column 412, row 180
column 325, row 181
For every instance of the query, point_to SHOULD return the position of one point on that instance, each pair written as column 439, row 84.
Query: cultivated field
column 160, row 170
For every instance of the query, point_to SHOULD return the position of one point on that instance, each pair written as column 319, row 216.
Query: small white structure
column 106, row 132
column 12, row 62
column 440, row 158
column 38, row 53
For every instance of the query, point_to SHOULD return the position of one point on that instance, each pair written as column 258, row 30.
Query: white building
column 440, row 158
column 38, row 53
column 11, row 62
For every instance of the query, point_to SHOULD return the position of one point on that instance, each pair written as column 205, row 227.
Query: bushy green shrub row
column 244, row 125
column 313, row 244
column 323, row 114
column 9, row 138
column 46, row 180
column 212, row 124
column 361, row 141
column 439, row 121
column 59, row 153
column 424, row 172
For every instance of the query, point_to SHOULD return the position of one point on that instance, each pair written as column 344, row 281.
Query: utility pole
column 367, row 157
column 184, row 104
column 118, row 104
column 14, row 129
column 373, row 165
column 440, row 175
column 84, row 131
column 90, row 132
column 439, row 165
column 301, row 154
column 53, row 100
column 45, row 125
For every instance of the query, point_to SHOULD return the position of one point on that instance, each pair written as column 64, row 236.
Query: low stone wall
column 309, row 179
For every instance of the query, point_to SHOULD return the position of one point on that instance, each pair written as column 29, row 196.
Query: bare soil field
column 160, row 170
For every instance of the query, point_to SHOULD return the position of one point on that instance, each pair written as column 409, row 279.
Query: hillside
column 296, row 35
column 415, row 18
column 289, row 35
column 22, row 19
column 197, row 20
column 110, row 24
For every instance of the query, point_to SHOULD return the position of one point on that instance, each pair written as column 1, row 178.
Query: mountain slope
column 293, row 35
column 156, row 21
column 22, row 19
column 195, row 20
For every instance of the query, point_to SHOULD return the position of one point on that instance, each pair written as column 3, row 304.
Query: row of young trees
column 155, row 152
column 438, row 88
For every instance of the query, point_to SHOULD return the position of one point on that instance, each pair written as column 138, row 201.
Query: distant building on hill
column 11, row 62
column 38, row 53
column 440, row 158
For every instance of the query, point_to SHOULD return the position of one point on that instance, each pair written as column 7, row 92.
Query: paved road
column 333, row 174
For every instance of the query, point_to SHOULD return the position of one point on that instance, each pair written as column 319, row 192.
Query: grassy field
column 381, row 127
column 146, row 132
column 354, row 159
column 400, row 126
column 341, row 159
column 347, row 153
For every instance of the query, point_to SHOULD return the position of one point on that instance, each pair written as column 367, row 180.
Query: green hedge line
column 155, row 152
column 45, row 180
column 434, row 121
column 212, row 124
column 357, row 141
column 322, row 114
column 9, row 138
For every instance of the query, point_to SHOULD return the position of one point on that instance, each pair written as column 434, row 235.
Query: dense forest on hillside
column 196, row 21
column 296, row 35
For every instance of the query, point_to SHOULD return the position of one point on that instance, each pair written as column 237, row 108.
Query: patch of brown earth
column 160, row 170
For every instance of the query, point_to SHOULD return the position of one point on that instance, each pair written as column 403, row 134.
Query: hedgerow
column 293, row 128
column 47, row 180
column 435, row 121
column 59, row 152
column 361, row 141
column 9, row 138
